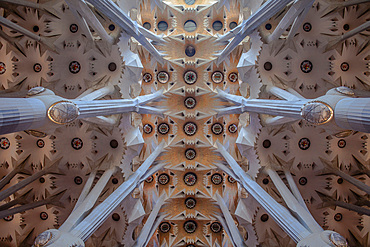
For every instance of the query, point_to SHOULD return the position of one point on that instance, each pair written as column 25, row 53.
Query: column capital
column 56, row 238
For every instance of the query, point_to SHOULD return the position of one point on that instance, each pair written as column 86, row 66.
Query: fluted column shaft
column 353, row 113
column 21, row 114
column 275, row 107
column 104, row 107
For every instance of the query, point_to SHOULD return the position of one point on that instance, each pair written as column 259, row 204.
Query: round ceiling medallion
column 44, row 216
column 147, row 129
column 341, row 143
column 217, row 128
column 338, row 217
column 233, row 128
column 190, row 154
column 190, row 26
column 77, row 143
column 113, row 143
column 217, row 77
column 162, row 25
column 190, row 51
column 266, row 143
column 307, row 27
column 112, row 66
column 164, row 227
column 35, row 90
column 190, row 202
column 73, row 28
column 306, row 66
column 163, row 77
column 304, row 143
column 78, row 180
column 163, row 128
column 264, row 217
column 163, row 179
column 40, row 143
column 74, row 67
column 233, row 25
column 149, row 179
column 267, row 66
column 2, row 68
column 233, row 77
column 338, row 240
column 217, row 25
column 147, row 25
column 111, row 27
column 190, row 102
column 344, row 66
column 190, row 178
column 147, row 77
column 216, row 227
column 190, row 77
column 317, row 112
column 9, row 218
column 37, row 67
column 345, row 91
column 4, row 143
column 116, row 217
column 189, row 2
column 190, row 128
column 63, row 112
column 217, row 179
column 302, row 181
column 190, row 226
column 231, row 179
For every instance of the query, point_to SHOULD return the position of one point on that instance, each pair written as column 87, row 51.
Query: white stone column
column 151, row 223
column 279, row 213
column 283, row 108
column 100, row 213
column 353, row 114
column 96, row 108
column 112, row 11
column 17, row 114
column 300, row 233
column 265, row 12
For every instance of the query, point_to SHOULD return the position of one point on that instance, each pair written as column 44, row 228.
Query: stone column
column 96, row 218
column 21, row 114
column 353, row 114
column 83, row 229
column 278, row 212
column 45, row 109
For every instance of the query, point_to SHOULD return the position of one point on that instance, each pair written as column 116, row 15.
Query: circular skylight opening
column 162, row 26
column 147, row 25
column 189, row 2
column 233, row 25
column 217, row 25
column 190, row 26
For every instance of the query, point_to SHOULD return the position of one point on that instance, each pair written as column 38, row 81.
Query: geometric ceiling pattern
column 54, row 176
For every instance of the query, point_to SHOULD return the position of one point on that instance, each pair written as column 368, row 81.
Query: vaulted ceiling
column 73, row 59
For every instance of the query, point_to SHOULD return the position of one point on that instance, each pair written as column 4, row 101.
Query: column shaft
column 17, row 114
column 353, row 114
